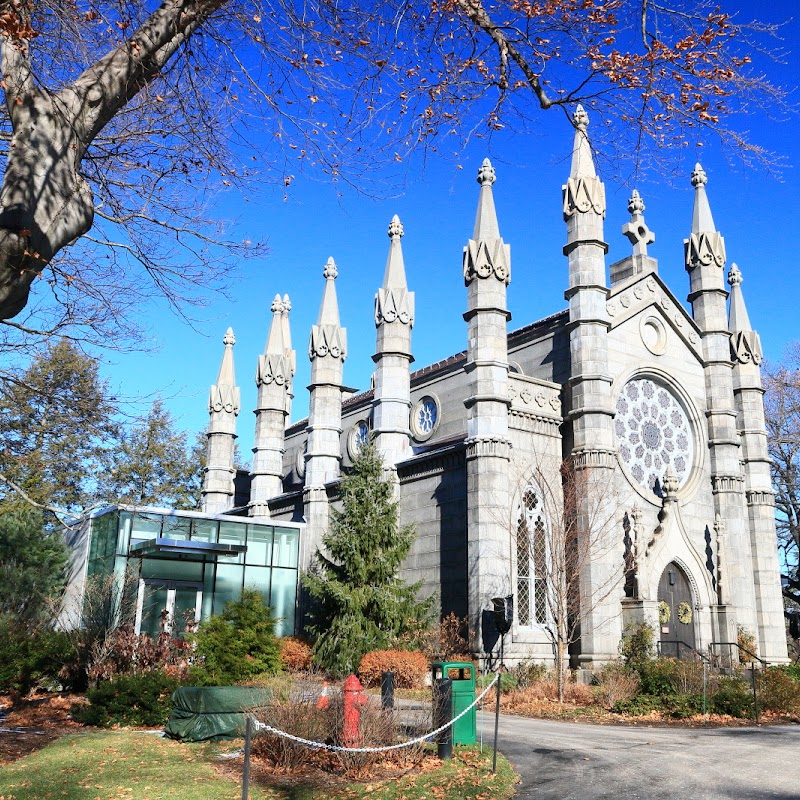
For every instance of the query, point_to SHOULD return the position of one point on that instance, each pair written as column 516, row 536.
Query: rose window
column 653, row 433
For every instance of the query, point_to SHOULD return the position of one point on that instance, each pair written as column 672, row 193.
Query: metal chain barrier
column 262, row 726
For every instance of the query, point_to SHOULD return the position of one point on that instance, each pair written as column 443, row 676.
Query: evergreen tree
column 57, row 419
column 360, row 603
column 156, row 464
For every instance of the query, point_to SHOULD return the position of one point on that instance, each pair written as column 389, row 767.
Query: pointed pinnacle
column 227, row 375
column 396, row 229
column 738, row 318
column 394, row 276
column 702, row 221
column 277, row 305
column 287, row 303
column 582, row 163
column 329, row 309
column 275, row 337
column 331, row 270
column 486, row 225
column 229, row 339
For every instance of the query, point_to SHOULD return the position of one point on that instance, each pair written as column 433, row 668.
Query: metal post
column 705, row 687
column 387, row 690
column 248, row 737
column 755, row 690
column 497, row 704
column 443, row 714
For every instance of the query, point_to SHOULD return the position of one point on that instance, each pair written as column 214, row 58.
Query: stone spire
column 704, row 252
column 487, row 271
column 745, row 355
column 273, row 379
column 327, row 349
column 223, row 408
column 589, row 399
column 745, row 342
column 290, row 354
column 394, row 318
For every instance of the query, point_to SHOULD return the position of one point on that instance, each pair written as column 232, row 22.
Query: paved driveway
column 566, row 761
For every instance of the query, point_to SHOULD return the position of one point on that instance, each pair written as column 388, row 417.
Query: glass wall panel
column 286, row 548
column 185, row 610
column 154, row 602
column 145, row 527
column 227, row 586
column 232, row 533
column 208, row 590
column 259, row 545
column 204, row 530
column 176, row 527
column 282, row 600
column 258, row 578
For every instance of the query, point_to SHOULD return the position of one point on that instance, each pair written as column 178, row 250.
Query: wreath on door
column 684, row 613
column 664, row 612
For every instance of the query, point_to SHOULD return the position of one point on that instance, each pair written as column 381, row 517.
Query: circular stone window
column 653, row 432
column 358, row 437
column 424, row 417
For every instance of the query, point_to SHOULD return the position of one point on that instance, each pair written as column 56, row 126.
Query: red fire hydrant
column 354, row 700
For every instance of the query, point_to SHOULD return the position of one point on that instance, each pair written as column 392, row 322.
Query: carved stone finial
column 635, row 203
column 580, row 119
column 331, row 270
column 719, row 526
column 396, row 229
column 287, row 303
column 669, row 485
column 486, row 173
column 734, row 276
column 699, row 176
column 229, row 338
column 277, row 305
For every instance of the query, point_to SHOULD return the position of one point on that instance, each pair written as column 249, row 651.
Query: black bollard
column 443, row 714
column 387, row 690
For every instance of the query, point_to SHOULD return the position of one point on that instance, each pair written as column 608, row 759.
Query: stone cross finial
column 636, row 231
column 580, row 119
column 734, row 276
column 277, row 305
column 669, row 485
column 486, row 173
column 396, row 230
column 331, row 270
column 229, row 338
column 699, row 175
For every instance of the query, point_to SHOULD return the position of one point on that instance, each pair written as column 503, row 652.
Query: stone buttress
column 223, row 408
column 590, row 408
column 394, row 318
column 746, row 354
column 487, row 273
column 327, row 349
column 273, row 380
column 704, row 252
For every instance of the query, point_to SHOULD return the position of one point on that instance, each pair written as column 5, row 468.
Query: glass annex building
column 187, row 563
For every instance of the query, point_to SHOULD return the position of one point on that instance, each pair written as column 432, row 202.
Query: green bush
column 793, row 671
column 677, row 706
column 732, row 697
column 528, row 673
column 30, row 658
column 779, row 692
column 238, row 644
column 636, row 646
column 639, row 705
column 140, row 700
column 659, row 676
column 508, row 681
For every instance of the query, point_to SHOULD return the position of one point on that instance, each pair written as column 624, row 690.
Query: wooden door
column 675, row 613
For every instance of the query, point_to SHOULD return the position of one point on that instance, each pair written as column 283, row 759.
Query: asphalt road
column 567, row 761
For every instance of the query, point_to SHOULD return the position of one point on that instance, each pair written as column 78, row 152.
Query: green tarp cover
column 212, row 712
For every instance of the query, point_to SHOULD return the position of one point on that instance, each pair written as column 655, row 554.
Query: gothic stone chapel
column 657, row 412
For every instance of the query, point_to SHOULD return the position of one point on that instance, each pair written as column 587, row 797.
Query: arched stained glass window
column 531, row 558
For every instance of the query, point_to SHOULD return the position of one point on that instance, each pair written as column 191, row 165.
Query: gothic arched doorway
column 675, row 612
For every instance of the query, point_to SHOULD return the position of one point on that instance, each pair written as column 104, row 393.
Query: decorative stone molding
column 487, row 258
column 746, row 348
column 224, row 398
column 704, row 249
column 726, row 483
column 584, row 194
column 327, row 340
column 393, row 305
column 433, row 465
column 669, row 504
column 530, row 396
column 760, row 497
column 719, row 531
column 273, row 367
column 492, row 447
column 585, row 459
column 532, row 423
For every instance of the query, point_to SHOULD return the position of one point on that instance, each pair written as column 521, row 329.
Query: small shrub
column 237, row 645
column 732, row 697
column 528, row 673
column 793, row 671
column 139, row 700
column 295, row 654
column 616, row 683
column 409, row 668
column 747, row 642
column 779, row 692
column 660, row 676
column 640, row 705
column 636, row 646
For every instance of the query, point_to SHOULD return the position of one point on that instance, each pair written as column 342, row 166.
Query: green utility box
column 462, row 674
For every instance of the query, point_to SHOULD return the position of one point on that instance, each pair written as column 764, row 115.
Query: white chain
column 262, row 726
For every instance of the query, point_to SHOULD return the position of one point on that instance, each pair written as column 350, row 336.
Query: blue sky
column 755, row 211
